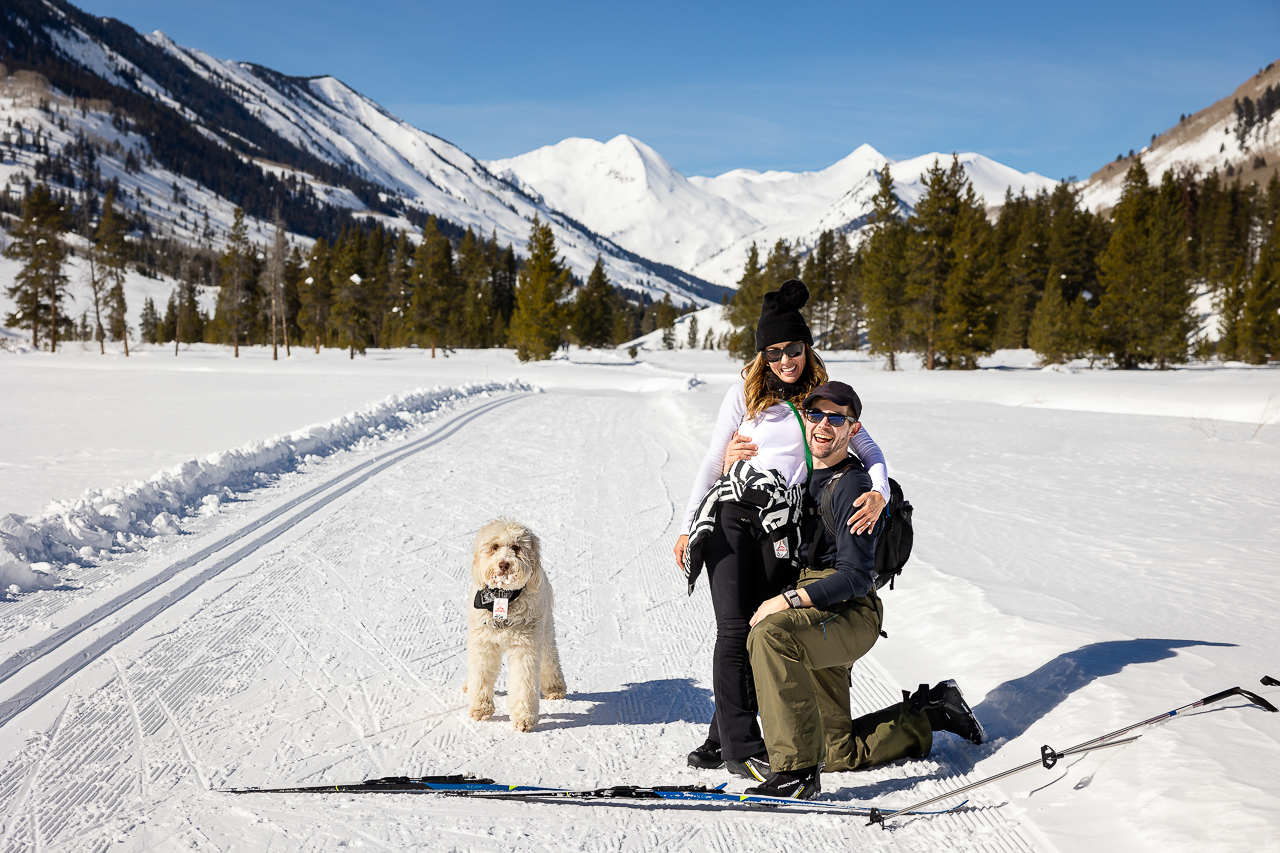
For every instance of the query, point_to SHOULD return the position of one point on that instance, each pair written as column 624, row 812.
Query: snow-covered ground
column 1093, row 548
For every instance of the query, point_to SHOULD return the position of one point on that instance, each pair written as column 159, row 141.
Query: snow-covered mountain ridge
column 1204, row 141
column 317, row 131
column 625, row 190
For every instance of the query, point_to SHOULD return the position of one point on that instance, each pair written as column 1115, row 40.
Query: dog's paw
column 523, row 722
column 481, row 710
column 553, row 693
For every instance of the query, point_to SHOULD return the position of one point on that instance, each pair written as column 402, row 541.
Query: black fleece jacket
column 852, row 556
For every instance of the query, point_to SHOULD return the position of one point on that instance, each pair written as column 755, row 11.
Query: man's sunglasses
column 790, row 351
column 815, row 416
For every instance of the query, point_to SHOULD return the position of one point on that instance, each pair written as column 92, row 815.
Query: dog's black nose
column 504, row 565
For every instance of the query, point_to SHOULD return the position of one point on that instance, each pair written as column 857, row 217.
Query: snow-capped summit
column 775, row 197
column 631, row 195
column 626, row 191
column 839, row 198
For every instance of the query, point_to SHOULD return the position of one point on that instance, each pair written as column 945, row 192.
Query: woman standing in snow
column 742, row 520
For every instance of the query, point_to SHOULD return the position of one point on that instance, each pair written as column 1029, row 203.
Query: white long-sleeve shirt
column 780, row 444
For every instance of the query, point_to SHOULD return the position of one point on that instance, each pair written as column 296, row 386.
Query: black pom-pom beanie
column 780, row 319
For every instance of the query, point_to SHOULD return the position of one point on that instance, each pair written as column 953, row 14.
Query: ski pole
column 1049, row 757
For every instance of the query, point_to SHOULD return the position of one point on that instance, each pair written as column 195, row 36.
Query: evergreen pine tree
column 39, row 288
column 235, row 267
column 117, row 312
column 293, row 275
column 436, row 302
column 1260, row 321
column 149, row 323
column 968, row 311
column 931, row 254
column 665, row 315
column 820, row 275
column 1144, row 313
column 1061, row 323
column 537, row 324
column 1119, row 314
column 883, row 267
column 504, row 269
column 315, row 293
column 399, row 318
column 693, row 332
column 479, row 318
column 169, row 324
column 1024, row 264
column 781, row 265
column 743, row 310
column 593, row 309
column 348, row 317
column 847, row 312
column 1169, row 294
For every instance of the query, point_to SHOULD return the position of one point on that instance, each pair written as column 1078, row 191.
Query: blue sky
column 717, row 86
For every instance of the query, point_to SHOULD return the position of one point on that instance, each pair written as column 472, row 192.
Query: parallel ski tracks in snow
column 305, row 505
column 338, row 653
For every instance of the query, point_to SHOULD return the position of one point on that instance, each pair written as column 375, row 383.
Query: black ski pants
column 743, row 570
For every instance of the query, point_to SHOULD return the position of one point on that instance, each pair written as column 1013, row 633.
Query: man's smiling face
column 825, row 439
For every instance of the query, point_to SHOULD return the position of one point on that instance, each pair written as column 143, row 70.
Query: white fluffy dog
column 508, row 567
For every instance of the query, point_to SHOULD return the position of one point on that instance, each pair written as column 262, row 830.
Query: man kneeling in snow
column 803, row 642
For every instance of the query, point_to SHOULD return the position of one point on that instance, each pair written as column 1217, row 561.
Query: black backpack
column 893, row 548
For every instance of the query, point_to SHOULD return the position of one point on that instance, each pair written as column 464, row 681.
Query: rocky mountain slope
column 245, row 135
column 1238, row 135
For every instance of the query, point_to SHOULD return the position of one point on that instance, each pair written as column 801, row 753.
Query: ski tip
column 1269, row 681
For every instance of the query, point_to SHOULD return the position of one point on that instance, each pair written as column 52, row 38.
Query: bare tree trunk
column 53, row 325
column 284, row 327
column 317, row 344
column 125, row 338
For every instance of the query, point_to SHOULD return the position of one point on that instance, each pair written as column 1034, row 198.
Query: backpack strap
column 826, row 507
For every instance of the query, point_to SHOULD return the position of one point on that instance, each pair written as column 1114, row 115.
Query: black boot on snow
column 947, row 711
column 791, row 784
column 755, row 767
column 707, row 756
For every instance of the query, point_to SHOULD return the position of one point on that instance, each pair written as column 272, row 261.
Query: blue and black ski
column 478, row 788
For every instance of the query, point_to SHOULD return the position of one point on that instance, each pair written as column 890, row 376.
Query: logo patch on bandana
column 780, row 549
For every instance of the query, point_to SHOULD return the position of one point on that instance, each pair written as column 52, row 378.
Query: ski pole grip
column 1048, row 757
column 1269, row 681
column 1258, row 700
column 1239, row 691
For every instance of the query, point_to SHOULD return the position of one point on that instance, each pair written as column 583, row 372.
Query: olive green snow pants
column 801, row 661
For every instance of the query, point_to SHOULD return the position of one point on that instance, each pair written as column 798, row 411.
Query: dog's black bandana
column 485, row 597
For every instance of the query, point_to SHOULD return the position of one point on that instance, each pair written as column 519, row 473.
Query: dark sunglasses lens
column 816, row 417
column 793, row 351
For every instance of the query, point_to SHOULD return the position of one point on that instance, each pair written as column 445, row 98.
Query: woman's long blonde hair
column 760, row 396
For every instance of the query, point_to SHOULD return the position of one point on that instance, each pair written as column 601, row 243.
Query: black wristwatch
column 793, row 598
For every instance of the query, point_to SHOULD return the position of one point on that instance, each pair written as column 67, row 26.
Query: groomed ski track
column 332, row 648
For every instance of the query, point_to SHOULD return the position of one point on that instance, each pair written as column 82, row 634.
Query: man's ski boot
column 791, row 784
column 755, row 767
column 946, row 709
column 707, row 756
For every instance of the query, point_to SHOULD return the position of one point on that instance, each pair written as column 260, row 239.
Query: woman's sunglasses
column 790, row 351
column 815, row 416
